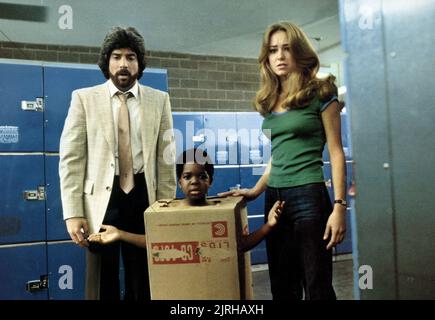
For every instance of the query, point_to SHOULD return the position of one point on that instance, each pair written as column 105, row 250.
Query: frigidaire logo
column 219, row 229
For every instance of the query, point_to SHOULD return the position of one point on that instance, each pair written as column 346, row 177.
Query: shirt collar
column 114, row 90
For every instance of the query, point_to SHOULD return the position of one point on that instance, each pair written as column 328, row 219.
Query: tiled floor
column 342, row 279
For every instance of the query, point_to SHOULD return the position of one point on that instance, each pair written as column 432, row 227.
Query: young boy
column 195, row 175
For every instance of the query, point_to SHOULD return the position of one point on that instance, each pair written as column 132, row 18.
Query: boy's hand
column 275, row 213
column 109, row 235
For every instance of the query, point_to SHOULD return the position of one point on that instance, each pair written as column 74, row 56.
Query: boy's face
column 194, row 182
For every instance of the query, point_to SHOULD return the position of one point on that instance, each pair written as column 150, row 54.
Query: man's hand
column 78, row 230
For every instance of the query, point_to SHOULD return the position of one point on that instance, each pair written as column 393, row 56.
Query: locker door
column 249, row 175
column 59, row 82
column 22, row 220
column 253, row 145
column 220, row 129
column 224, row 178
column 23, row 271
column 187, row 130
column 155, row 78
column 56, row 229
column 66, row 271
column 21, row 117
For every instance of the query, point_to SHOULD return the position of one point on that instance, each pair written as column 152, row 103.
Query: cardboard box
column 192, row 251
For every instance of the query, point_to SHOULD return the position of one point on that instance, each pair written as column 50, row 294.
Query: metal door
column 22, row 205
column 21, row 107
column 66, row 271
column 23, row 272
column 220, row 130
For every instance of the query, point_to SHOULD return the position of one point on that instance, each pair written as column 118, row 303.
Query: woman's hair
column 119, row 38
column 197, row 156
column 303, row 85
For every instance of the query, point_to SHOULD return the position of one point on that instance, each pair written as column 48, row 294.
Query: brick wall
column 196, row 83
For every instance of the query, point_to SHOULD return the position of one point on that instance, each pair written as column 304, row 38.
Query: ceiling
column 206, row 27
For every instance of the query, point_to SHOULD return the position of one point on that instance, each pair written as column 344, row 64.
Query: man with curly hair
column 117, row 155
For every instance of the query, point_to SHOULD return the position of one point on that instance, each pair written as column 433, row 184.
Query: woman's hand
column 336, row 227
column 248, row 194
column 109, row 235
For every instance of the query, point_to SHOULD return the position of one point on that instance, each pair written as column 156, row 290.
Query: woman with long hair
column 301, row 113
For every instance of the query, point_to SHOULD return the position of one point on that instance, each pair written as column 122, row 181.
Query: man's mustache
column 123, row 73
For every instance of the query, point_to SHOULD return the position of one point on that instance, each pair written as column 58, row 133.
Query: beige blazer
column 87, row 154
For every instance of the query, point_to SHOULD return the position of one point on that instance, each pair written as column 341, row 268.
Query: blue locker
column 66, row 271
column 23, row 272
column 187, row 126
column 155, row 78
column 56, row 229
column 22, row 220
column 224, row 178
column 253, row 145
column 21, row 116
column 220, row 129
column 249, row 175
column 258, row 254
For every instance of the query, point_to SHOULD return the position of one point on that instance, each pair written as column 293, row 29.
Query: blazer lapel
column 148, row 121
column 105, row 115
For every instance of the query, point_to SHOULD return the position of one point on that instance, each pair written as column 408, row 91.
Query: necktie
column 126, row 180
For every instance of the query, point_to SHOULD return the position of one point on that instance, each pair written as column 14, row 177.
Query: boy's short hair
column 197, row 156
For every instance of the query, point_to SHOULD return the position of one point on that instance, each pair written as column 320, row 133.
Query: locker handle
column 34, row 195
column 236, row 187
column 37, row 105
column 199, row 138
column 36, row 285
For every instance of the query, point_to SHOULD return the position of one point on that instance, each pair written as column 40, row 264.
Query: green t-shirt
column 298, row 139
